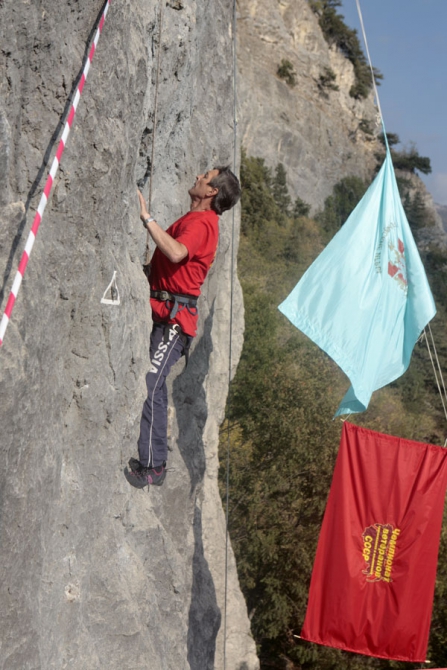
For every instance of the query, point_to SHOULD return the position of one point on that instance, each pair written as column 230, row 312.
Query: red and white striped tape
column 49, row 183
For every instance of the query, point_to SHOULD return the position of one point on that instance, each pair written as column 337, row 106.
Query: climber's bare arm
column 175, row 251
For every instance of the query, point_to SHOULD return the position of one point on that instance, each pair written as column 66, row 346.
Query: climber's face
column 202, row 188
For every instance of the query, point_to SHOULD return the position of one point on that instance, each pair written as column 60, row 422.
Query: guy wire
column 230, row 345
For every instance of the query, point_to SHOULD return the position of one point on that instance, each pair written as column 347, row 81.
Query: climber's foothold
column 111, row 294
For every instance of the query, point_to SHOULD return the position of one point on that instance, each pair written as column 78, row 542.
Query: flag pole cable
column 50, row 181
column 230, row 343
column 437, row 361
column 435, row 373
column 376, row 93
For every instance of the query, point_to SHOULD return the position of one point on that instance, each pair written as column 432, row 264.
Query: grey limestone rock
column 95, row 574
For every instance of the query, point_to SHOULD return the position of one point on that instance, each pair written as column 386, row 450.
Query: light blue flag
column 366, row 299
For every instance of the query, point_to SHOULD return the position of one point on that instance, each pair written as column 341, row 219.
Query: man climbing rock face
column 183, row 256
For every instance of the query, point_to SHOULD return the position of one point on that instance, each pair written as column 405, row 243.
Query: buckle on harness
column 180, row 301
column 163, row 295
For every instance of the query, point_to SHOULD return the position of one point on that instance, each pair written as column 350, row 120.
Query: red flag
column 374, row 573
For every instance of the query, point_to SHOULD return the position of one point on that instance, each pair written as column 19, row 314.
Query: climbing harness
column 49, row 183
column 112, row 290
column 179, row 300
column 147, row 264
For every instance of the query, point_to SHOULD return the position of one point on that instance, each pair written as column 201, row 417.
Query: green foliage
column 280, row 191
column 366, row 127
column 406, row 160
column 410, row 161
column 337, row 32
column 300, row 208
column 338, row 206
column 286, row 71
column 417, row 213
column 392, row 138
column 283, row 438
column 258, row 203
column 326, row 81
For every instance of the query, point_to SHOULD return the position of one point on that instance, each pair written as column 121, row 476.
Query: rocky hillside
column 442, row 211
column 312, row 124
column 318, row 133
column 95, row 574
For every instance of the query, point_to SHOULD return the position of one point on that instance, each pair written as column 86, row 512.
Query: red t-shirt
column 199, row 232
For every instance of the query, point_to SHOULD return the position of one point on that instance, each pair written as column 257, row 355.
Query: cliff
column 317, row 133
column 95, row 574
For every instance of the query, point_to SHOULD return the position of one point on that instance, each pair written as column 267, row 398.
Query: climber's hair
column 229, row 190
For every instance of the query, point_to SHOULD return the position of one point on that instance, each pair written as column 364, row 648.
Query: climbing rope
column 154, row 127
column 49, row 182
column 230, row 344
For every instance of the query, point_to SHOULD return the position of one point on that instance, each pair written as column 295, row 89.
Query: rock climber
column 183, row 256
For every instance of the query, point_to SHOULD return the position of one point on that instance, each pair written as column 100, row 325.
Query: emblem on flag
column 379, row 548
column 397, row 267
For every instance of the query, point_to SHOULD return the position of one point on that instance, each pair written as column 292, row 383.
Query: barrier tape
column 49, row 183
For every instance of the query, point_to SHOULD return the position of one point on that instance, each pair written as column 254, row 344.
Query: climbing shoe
column 135, row 465
column 141, row 477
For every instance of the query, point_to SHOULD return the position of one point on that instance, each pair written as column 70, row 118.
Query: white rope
column 154, row 125
column 230, row 345
column 436, row 376
column 437, row 361
column 376, row 92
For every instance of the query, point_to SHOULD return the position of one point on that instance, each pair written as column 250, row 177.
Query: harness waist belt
column 179, row 299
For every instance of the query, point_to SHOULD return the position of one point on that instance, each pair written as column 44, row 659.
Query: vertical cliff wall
column 318, row 133
column 95, row 574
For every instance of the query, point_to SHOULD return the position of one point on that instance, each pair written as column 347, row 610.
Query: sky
column 407, row 41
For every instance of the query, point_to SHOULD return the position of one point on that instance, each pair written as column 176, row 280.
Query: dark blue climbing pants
column 167, row 346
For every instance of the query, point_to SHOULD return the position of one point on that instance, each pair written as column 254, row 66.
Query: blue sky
column 408, row 43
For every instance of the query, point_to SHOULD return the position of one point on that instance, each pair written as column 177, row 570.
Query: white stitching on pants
column 173, row 343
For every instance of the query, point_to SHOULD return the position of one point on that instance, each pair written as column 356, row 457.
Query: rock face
column 316, row 132
column 433, row 232
column 320, row 134
column 95, row 574
column 442, row 213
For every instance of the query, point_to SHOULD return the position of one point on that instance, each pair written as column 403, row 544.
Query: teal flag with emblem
column 365, row 300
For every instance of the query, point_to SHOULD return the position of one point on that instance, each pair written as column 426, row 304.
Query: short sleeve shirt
column 199, row 232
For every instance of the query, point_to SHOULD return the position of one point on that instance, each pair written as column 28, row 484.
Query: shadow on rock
column 204, row 614
column 191, row 408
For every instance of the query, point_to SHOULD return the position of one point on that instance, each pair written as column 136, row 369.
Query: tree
column 258, row 204
column 286, row 71
column 338, row 206
column 411, row 161
column 284, row 441
column 393, row 138
column 408, row 160
column 326, row 81
column 300, row 208
column 337, row 32
column 280, row 189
